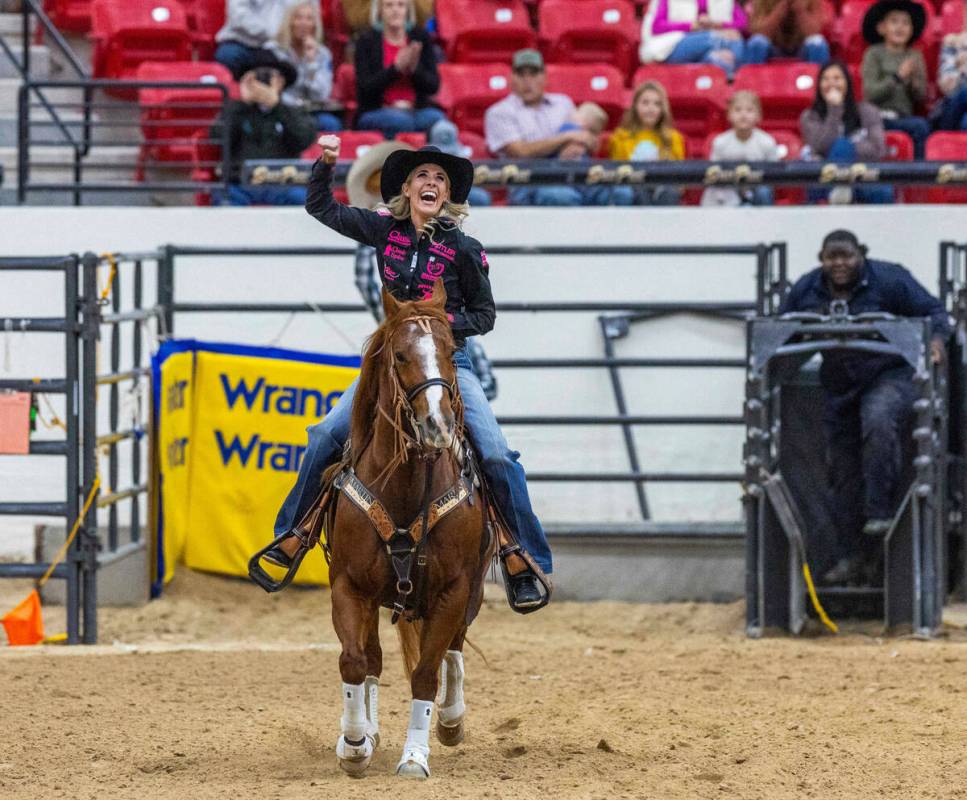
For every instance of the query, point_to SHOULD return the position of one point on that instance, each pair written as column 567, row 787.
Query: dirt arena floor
column 220, row 691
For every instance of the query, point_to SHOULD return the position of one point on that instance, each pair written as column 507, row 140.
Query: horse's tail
column 410, row 634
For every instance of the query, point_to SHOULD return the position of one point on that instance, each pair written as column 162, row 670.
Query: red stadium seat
column 344, row 89
column 942, row 146
column 205, row 19
column 173, row 119
column 589, row 31
column 70, row 15
column 899, row 146
column 354, row 144
column 412, row 138
column 596, row 83
column 125, row 34
column 483, row 31
column 476, row 143
column 952, row 17
column 468, row 90
column 335, row 29
column 696, row 93
column 784, row 89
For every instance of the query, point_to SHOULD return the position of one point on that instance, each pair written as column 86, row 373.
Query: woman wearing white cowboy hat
column 417, row 238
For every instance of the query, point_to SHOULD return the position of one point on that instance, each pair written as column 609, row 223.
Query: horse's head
column 420, row 356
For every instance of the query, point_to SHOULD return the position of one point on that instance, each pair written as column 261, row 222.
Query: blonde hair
column 665, row 126
column 749, row 97
column 451, row 215
column 284, row 36
column 376, row 13
column 595, row 112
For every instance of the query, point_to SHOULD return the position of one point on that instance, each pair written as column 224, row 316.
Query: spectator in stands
column 299, row 40
column 745, row 142
column 950, row 114
column 444, row 135
column 868, row 397
column 249, row 26
column 894, row 74
column 694, row 31
column 527, row 124
column 647, row 133
column 358, row 13
column 786, row 29
column 837, row 128
column 261, row 126
column 396, row 72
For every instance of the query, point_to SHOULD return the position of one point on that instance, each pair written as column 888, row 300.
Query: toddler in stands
column 745, row 142
column 647, row 133
column 588, row 117
column 894, row 74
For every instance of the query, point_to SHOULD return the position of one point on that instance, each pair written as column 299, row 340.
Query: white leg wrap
column 450, row 703
column 416, row 751
column 354, row 749
column 354, row 711
column 372, row 707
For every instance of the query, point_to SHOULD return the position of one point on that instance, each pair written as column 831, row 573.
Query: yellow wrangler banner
column 231, row 433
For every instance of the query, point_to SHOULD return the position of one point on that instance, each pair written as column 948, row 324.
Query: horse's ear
column 439, row 296
column 390, row 304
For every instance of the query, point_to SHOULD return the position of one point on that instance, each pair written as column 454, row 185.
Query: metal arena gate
column 88, row 320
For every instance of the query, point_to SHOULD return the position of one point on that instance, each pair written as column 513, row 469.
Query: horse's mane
column 376, row 355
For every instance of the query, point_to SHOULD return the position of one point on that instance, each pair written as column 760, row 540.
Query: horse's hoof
column 354, row 758
column 450, row 735
column 413, row 765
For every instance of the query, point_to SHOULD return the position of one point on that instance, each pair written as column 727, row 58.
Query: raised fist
column 330, row 147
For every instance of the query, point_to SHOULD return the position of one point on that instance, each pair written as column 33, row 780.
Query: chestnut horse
column 407, row 450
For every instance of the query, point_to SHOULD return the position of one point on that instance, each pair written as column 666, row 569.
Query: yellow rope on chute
column 70, row 537
column 106, row 291
column 815, row 599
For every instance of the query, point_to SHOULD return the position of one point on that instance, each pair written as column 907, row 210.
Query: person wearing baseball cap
column 527, row 124
column 894, row 73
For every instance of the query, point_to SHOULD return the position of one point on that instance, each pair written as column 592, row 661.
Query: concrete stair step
column 39, row 62
column 11, row 26
column 10, row 87
column 56, row 164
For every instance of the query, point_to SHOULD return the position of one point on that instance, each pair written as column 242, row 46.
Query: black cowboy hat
column 878, row 11
column 399, row 165
column 266, row 58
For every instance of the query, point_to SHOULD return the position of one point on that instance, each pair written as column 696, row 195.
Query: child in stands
column 745, row 142
column 588, row 117
column 951, row 112
column 647, row 133
column 894, row 74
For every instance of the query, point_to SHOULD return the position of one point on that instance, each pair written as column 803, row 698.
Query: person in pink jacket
column 694, row 31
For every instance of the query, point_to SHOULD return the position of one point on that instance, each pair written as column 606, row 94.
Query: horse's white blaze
column 426, row 347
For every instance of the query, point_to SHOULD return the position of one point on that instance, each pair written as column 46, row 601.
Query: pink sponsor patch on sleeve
column 383, row 212
column 483, row 258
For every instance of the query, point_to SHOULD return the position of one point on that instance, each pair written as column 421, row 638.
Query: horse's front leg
column 374, row 668
column 444, row 620
column 449, row 702
column 353, row 616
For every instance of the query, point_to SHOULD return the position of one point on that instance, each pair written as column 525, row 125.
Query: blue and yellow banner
column 231, row 434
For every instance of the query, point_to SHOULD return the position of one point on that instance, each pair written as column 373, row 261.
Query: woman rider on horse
column 418, row 239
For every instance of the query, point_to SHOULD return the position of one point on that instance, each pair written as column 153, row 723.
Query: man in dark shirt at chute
column 869, row 397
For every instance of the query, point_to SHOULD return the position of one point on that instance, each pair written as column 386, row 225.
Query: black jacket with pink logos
column 408, row 266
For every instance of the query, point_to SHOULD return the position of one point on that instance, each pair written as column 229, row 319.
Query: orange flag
column 25, row 624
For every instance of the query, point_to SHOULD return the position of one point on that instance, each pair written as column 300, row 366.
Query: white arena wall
column 909, row 234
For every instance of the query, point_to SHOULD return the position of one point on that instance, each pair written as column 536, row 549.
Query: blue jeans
column 953, row 111
column 391, row 121
column 917, row 128
column 327, row 122
column 235, row 56
column 479, row 197
column 844, row 151
column 865, row 430
column 500, row 464
column 261, row 196
column 571, row 196
column 702, row 46
column 759, row 49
